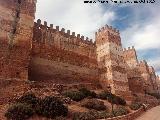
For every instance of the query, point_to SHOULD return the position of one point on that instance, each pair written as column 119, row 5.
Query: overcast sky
column 139, row 24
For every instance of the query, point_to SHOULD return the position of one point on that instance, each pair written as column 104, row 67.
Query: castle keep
column 16, row 26
column 39, row 52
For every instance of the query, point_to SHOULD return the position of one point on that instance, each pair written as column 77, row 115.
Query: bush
column 103, row 95
column 28, row 98
column 28, row 104
column 135, row 106
column 104, row 115
column 84, row 116
column 120, row 101
column 88, row 93
column 93, row 104
column 92, row 115
column 80, row 94
column 74, row 95
column 120, row 111
column 51, row 107
column 59, row 118
column 111, row 98
column 19, row 111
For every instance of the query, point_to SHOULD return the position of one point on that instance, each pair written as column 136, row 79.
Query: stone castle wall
column 130, row 57
column 110, row 57
column 34, row 51
column 16, row 24
column 62, row 57
column 140, row 75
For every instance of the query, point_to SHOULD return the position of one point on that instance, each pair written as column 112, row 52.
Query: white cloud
column 74, row 15
column 87, row 18
column 143, row 37
column 144, row 34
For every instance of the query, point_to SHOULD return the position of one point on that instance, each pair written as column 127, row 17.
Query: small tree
column 112, row 99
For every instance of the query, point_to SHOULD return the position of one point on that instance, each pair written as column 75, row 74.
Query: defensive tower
column 130, row 57
column 111, row 61
column 16, row 31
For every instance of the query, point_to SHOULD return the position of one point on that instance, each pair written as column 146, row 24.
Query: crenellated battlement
column 128, row 49
column 143, row 63
column 130, row 56
column 72, row 35
column 109, row 29
column 108, row 34
column 151, row 69
column 31, row 1
column 49, row 54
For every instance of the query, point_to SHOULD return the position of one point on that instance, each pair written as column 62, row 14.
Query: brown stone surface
column 34, row 51
column 141, row 76
column 11, row 88
column 110, row 56
column 15, row 37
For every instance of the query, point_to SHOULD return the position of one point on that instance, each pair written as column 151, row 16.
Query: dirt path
column 152, row 114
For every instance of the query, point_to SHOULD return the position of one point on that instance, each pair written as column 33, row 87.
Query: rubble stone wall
column 62, row 57
column 110, row 57
column 16, row 30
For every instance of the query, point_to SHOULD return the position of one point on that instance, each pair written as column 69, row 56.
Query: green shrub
column 103, row 95
column 88, row 93
column 104, row 115
column 111, row 98
column 51, row 107
column 120, row 101
column 74, row 95
column 28, row 104
column 80, row 94
column 135, row 106
column 84, row 116
column 120, row 111
column 28, row 98
column 100, row 114
column 19, row 111
column 59, row 118
column 93, row 104
column 92, row 115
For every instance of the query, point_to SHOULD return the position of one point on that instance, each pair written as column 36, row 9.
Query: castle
column 34, row 51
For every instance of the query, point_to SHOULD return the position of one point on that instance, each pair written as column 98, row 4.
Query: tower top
column 129, row 49
column 109, row 29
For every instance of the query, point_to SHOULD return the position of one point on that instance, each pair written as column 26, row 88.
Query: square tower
column 130, row 56
column 112, row 67
column 16, row 29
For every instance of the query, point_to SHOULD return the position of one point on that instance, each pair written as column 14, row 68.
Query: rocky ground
column 11, row 91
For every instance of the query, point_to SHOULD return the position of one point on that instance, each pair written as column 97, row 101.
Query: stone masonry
column 16, row 26
column 35, row 51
